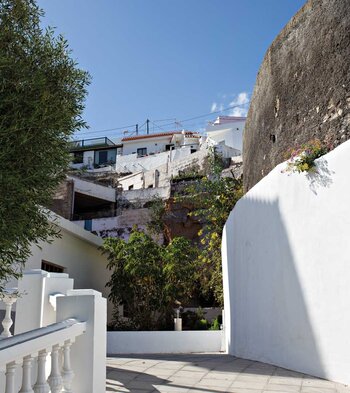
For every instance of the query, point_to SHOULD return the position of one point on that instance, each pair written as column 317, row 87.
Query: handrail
column 36, row 340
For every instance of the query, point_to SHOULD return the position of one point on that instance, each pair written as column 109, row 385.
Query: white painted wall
column 36, row 307
column 93, row 189
column 194, row 341
column 131, row 163
column 230, row 133
column 153, row 145
column 127, row 219
column 196, row 159
column 78, row 252
column 88, row 158
column 146, row 194
column 286, row 264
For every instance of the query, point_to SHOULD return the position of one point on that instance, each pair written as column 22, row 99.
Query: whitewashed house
column 227, row 133
column 94, row 153
column 149, row 144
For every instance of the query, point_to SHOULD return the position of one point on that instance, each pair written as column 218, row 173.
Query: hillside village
column 193, row 260
column 111, row 184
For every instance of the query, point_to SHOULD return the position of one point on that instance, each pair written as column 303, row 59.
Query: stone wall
column 62, row 201
column 302, row 89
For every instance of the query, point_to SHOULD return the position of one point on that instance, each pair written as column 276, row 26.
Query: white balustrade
column 10, row 377
column 67, row 372
column 55, row 379
column 26, row 376
column 21, row 350
column 9, row 297
column 41, row 385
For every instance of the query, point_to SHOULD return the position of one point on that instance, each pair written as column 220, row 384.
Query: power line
column 109, row 129
column 168, row 124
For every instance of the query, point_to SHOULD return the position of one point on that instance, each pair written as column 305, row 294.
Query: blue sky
column 166, row 59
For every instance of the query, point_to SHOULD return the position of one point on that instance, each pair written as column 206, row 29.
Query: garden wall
column 286, row 264
column 194, row 341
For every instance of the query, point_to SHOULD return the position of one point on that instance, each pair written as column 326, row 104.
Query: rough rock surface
column 302, row 89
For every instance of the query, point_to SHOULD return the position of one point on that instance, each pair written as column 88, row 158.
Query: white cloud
column 214, row 106
column 241, row 99
column 240, row 103
column 239, row 112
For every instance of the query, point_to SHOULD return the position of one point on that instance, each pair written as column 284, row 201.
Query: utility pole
column 147, row 122
column 137, row 129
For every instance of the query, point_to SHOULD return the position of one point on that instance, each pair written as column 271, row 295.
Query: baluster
column 41, row 386
column 67, row 372
column 10, row 377
column 55, row 379
column 9, row 300
column 27, row 376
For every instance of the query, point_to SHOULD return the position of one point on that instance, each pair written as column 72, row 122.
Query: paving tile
column 285, row 380
column 214, row 382
column 222, row 375
column 271, row 387
column 314, row 389
column 242, row 390
column 322, row 383
column 249, row 385
column 207, row 373
column 170, row 389
column 252, row 377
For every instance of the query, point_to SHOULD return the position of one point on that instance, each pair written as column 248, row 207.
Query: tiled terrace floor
column 207, row 374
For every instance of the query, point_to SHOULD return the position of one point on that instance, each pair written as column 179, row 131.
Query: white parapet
column 35, row 308
column 194, row 341
column 89, row 355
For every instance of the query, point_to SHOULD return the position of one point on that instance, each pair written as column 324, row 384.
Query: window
column 105, row 156
column 150, row 186
column 78, row 157
column 102, row 157
column 131, row 187
column 142, row 151
column 51, row 267
column 168, row 147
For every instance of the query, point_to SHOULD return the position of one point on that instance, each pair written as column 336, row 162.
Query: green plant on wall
column 303, row 158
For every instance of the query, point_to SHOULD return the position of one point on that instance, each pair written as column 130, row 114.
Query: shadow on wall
column 322, row 177
column 268, row 318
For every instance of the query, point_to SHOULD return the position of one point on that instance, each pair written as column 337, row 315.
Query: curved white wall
column 286, row 262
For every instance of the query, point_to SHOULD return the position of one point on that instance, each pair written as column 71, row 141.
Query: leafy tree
column 213, row 197
column 42, row 96
column 147, row 279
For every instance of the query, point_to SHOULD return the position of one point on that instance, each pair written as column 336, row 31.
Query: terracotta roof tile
column 170, row 133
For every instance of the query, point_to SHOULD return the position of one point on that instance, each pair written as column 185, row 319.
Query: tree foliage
column 148, row 279
column 42, row 94
column 213, row 198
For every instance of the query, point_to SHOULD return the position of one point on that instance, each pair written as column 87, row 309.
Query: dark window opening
column 168, row 147
column 193, row 151
column 78, row 157
column 150, row 186
column 131, row 187
column 272, row 138
column 88, row 225
column 142, row 151
column 51, row 267
column 103, row 157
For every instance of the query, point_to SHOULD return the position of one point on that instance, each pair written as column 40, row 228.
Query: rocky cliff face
column 302, row 89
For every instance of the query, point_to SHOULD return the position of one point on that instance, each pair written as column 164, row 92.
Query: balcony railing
column 92, row 142
column 34, row 346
